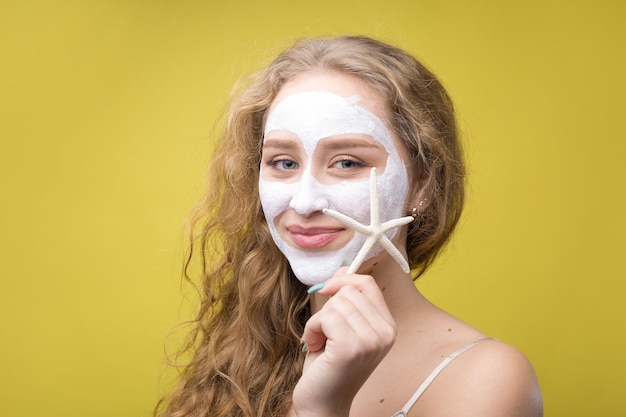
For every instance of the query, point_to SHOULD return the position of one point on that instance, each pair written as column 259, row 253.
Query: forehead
column 320, row 114
column 319, row 104
column 316, row 115
column 341, row 84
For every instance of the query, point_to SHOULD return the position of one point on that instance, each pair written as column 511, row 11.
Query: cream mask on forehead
column 312, row 116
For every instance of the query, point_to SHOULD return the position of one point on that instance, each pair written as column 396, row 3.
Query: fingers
column 354, row 319
column 349, row 323
column 363, row 283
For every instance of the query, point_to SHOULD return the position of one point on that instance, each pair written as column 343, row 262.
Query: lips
column 313, row 238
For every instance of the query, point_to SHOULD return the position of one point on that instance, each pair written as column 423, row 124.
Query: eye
column 347, row 162
column 283, row 164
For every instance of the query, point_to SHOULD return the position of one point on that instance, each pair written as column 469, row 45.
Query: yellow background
column 106, row 110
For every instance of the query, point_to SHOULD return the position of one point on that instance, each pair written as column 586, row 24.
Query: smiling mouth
column 315, row 238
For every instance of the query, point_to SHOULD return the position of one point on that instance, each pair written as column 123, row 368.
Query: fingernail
column 346, row 262
column 315, row 288
column 304, row 347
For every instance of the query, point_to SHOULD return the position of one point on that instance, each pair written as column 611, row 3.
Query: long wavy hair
column 245, row 353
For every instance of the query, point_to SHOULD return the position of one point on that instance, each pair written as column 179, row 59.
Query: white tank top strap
column 404, row 412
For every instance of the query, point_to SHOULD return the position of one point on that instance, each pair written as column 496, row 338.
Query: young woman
column 306, row 313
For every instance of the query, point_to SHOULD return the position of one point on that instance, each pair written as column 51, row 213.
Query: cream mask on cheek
column 312, row 116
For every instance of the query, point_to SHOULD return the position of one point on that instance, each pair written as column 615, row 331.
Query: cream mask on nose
column 312, row 116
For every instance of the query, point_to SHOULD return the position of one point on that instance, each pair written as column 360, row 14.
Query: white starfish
column 375, row 232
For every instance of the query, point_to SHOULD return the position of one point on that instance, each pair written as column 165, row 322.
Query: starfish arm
column 348, row 221
column 391, row 224
column 375, row 232
column 374, row 202
column 395, row 253
column 360, row 257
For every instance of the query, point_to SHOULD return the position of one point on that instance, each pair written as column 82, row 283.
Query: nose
column 309, row 196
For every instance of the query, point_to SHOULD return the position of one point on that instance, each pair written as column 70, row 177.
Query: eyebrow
column 280, row 144
column 346, row 143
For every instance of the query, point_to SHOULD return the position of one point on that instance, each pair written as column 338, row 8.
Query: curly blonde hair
column 246, row 357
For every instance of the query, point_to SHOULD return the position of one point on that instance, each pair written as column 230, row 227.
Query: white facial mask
column 313, row 116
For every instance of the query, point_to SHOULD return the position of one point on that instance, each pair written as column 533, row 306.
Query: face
column 323, row 135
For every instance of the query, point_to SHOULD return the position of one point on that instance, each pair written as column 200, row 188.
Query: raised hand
column 346, row 339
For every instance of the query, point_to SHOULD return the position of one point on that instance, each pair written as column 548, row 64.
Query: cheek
column 275, row 197
column 350, row 198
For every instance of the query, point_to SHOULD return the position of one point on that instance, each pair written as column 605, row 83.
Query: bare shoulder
column 492, row 379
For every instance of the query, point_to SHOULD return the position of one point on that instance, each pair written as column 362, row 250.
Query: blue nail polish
column 346, row 262
column 304, row 347
column 315, row 288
